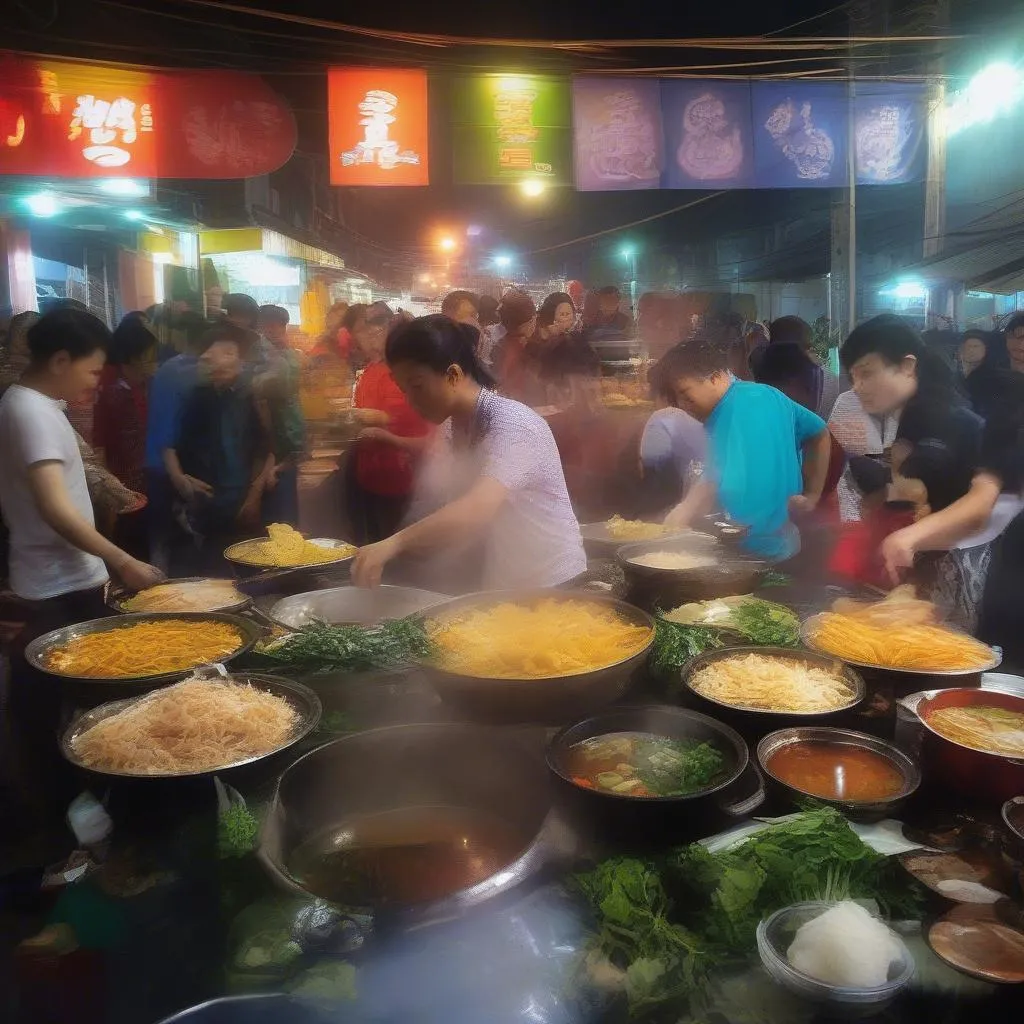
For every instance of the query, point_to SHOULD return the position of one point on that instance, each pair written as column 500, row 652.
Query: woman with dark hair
column 517, row 359
column 556, row 317
column 119, row 422
column 491, row 478
column 982, row 358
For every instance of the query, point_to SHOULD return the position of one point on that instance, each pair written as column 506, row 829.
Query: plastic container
column 776, row 933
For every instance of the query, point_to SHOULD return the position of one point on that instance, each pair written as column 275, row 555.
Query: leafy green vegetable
column 677, row 768
column 690, row 908
column 766, row 624
column 332, row 980
column 320, row 647
column 237, row 831
column 675, row 644
column 774, row 578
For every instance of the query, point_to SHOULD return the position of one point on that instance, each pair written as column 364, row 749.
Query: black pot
column 638, row 822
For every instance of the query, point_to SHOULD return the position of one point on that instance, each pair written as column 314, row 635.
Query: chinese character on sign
column 111, row 126
column 376, row 147
column 17, row 136
column 51, row 92
column 513, row 110
column 515, row 159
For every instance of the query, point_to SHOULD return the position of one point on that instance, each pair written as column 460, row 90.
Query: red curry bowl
column 986, row 777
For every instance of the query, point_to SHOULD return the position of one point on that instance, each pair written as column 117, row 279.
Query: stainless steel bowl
column 860, row 810
column 402, row 767
column 39, row 648
column 599, row 542
column 553, row 700
column 766, row 717
column 117, row 597
column 363, row 606
column 807, row 631
column 303, row 700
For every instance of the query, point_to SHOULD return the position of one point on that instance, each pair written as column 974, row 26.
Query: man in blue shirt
column 767, row 456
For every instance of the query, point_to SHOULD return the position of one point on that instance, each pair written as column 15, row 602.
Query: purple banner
column 617, row 133
column 890, row 126
column 800, row 134
column 708, row 136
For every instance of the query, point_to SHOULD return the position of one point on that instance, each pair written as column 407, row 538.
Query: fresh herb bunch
column 680, row 769
column 766, row 624
column 775, row 578
column 237, row 831
column 675, row 644
column 666, row 920
column 321, row 647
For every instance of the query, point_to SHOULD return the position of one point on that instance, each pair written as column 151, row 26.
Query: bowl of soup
column 974, row 741
column 865, row 777
column 647, row 774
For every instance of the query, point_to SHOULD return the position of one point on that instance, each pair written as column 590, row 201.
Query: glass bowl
column 776, row 933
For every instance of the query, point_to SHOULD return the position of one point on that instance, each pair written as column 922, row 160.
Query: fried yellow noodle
column 910, row 645
column 633, row 529
column 196, row 725
column 772, row 684
column 145, row 649
column 286, row 548
column 185, row 596
column 547, row 638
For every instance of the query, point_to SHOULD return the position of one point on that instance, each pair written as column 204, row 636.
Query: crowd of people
column 142, row 452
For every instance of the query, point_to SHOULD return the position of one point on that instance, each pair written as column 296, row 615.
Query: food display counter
column 508, row 877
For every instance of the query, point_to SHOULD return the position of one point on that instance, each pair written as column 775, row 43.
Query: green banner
column 510, row 127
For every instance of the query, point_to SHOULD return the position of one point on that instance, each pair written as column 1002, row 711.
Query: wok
column 429, row 766
column 754, row 723
column 117, row 597
column 550, row 699
column 302, row 699
column 645, row 821
column 93, row 690
column 261, row 1008
column 357, row 605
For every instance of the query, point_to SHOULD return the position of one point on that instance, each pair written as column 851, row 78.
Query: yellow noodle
column 286, row 548
column 547, row 638
column 185, row 596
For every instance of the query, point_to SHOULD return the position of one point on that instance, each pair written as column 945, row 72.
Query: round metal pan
column 117, row 596
column 807, row 638
column 302, row 699
column 549, row 699
column 599, row 541
column 361, row 606
column 234, row 554
column 37, row 650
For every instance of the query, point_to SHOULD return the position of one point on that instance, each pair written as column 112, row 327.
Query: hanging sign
column 708, row 133
column 378, row 132
column 617, row 137
column 512, row 127
column 64, row 119
column 890, row 124
column 800, row 134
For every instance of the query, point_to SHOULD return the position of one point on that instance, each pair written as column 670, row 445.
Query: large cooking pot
column 363, row 606
column 637, row 822
column 261, row 1008
column 448, row 766
column 650, row 587
column 554, row 700
column 990, row 778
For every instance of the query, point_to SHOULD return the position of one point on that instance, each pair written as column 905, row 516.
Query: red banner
column 378, row 126
column 71, row 120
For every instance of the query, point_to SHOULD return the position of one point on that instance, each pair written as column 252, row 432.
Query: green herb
column 237, row 831
column 320, row 647
column 676, row 768
column 691, row 908
column 766, row 624
column 676, row 644
column 774, row 578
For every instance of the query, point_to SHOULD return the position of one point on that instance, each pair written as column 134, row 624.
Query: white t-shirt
column 672, row 435
column 34, row 428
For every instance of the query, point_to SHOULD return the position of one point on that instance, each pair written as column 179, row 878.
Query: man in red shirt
column 389, row 444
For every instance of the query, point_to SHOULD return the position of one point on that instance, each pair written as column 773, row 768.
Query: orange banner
column 378, row 126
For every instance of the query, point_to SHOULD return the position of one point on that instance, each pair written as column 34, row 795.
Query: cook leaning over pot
column 490, row 485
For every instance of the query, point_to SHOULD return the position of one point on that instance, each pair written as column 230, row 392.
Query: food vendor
column 492, row 476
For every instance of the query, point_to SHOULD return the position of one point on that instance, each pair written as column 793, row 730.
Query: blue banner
column 890, row 127
column 800, row 134
column 708, row 134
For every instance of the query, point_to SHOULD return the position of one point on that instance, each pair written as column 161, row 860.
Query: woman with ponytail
column 491, row 480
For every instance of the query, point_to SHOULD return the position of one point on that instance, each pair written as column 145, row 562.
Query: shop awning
column 271, row 243
column 995, row 265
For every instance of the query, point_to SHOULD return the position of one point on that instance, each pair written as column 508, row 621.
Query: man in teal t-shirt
column 767, row 456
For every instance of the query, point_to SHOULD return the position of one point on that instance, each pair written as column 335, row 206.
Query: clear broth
column 407, row 856
column 836, row 771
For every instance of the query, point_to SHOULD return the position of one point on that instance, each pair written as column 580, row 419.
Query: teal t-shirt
column 755, row 435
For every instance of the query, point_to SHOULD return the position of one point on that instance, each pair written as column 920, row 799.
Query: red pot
column 988, row 778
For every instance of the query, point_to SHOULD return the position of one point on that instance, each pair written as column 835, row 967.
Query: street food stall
column 686, row 786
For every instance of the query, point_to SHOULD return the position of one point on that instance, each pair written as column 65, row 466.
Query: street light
column 993, row 91
column 447, row 243
column 629, row 253
column 503, row 262
column 533, row 188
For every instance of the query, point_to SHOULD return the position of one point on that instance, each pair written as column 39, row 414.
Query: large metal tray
column 305, row 702
column 37, row 650
column 233, row 554
column 117, row 597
